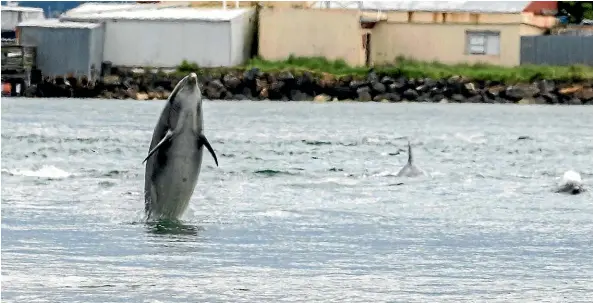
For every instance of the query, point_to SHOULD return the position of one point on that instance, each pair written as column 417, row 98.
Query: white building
column 13, row 15
column 164, row 35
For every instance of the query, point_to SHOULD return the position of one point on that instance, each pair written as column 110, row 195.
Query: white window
column 482, row 42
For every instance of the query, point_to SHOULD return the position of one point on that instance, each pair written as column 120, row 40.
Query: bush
column 415, row 69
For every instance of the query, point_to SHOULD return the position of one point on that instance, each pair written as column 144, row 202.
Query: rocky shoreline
column 284, row 86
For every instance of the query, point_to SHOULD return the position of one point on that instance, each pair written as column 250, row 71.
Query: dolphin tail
column 203, row 141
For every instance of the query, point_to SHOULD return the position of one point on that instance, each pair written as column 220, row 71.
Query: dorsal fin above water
column 410, row 157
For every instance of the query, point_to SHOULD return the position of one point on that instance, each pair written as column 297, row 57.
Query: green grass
column 412, row 69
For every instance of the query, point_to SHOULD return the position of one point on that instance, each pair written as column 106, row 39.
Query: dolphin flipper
column 166, row 138
column 203, row 141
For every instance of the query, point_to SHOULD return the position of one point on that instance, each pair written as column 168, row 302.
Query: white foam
column 46, row 171
column 386, row 174
column 278, row 214
column 477, row 138
column 571, row 177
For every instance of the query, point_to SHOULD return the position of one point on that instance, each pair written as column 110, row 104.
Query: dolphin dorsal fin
column 410, row 157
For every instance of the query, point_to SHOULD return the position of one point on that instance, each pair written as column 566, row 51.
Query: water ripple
column 305, row 206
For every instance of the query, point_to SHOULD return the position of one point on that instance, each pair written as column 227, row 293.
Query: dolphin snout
column 193, row 79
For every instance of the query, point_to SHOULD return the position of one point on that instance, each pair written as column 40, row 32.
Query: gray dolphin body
column 410, row 169
column 175, row 155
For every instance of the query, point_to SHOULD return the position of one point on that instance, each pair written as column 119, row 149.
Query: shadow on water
column 171, row 227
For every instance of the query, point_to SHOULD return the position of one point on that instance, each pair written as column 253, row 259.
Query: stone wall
column 284, row 86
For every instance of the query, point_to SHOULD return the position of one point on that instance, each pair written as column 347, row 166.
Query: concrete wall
column 426, row 36
column 243, row 32
column 539, row 21
column 97, row 47
column 446, row 43
column 161, row 43
column 529, row 30
column 459, row 17
column 334, row 34
column 245, row 3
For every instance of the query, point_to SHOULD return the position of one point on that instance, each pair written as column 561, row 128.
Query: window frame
column 484, row 35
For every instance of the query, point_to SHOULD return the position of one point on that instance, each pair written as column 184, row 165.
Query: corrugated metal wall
column 62, row 51
column 557, row 50
column 163, row 43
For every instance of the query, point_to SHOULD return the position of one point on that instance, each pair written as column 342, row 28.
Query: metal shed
column 13, row 15
column 65, row 47
column 165, row 36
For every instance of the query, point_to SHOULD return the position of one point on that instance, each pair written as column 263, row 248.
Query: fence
column 17, row 58
column 557, row 50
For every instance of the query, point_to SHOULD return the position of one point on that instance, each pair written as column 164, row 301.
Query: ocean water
column 304, row 207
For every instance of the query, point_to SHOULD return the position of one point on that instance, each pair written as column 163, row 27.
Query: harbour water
column 305, row 206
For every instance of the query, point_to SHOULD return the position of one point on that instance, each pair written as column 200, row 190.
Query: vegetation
column 576, row 10
column 412, row 69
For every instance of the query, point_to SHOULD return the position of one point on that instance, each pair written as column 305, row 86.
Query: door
column 367, row 49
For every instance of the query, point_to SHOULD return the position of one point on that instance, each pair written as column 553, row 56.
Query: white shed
column 165, row 36
column 13, row 15
column 102, row 7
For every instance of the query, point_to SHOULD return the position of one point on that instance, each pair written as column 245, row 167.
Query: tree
column 576, row 10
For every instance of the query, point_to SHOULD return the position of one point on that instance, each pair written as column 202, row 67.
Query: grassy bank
column 415, row 69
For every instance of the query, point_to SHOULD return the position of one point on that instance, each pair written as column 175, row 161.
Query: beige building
column 231, row 4
column 448, row 32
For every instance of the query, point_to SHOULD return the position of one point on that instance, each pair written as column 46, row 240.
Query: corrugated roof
column 56, row 23
column 90, row 8
column 167, row 13
column 432, row 6
column 21, row 9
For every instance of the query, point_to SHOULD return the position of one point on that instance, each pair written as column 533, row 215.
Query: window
column 482, row 43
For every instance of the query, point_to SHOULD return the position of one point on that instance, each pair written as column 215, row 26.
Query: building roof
column 161, row 13
column 98, row 7
column 508, row 7
column 56, row 23
column 10, row 8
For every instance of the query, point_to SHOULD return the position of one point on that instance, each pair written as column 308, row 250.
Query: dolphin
column 175, row 154
column 410, row 170
column 571, row 183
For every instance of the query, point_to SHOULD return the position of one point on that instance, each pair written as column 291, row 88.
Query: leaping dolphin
column 175, row 154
